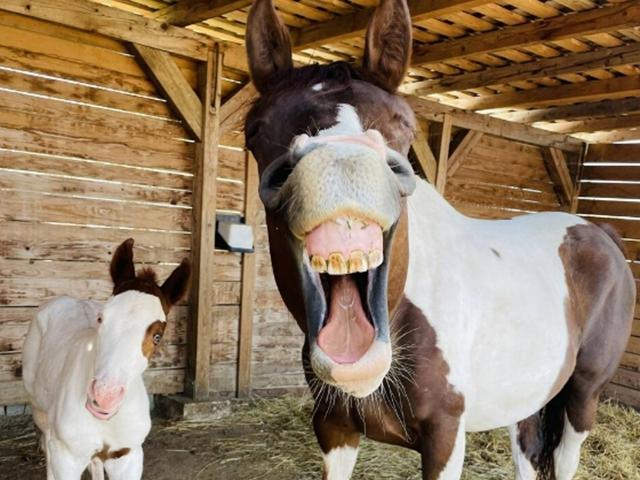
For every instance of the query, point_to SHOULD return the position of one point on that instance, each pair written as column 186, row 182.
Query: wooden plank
column 495, row 126
column 544, row 67
column 626, row 228
column 604, row 207
column 355, row 24
column 613, row 153
column 626, row 395
column 599, row 124
column 566, row 26
column 612, row 173
column 617, row 87
column 610, row 190
column 630, row 135
column 188, row 12
column 559, row 173
column 234, row 109
column 605, row 108
column 115, row 23
column 204, row 218
column 245, row 341
column 458, row 157
column 423, row 154
column 169, row 79
column 443, row 155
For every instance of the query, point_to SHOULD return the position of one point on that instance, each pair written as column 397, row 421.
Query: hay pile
column 277, row 441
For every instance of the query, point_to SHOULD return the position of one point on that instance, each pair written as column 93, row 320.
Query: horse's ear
column 268, row 43
column 175, row 286
column 122, row 268
column 388, row 44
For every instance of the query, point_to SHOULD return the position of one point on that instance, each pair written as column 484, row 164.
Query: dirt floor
column 272, row 439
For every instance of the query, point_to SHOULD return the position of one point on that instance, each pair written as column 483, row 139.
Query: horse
column 82, row 369
column 421, row 323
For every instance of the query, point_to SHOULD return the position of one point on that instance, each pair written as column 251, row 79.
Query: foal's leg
column 442, row 450
column 127, row 467
column 526, row 443
column 338, row 438
column 64, row 465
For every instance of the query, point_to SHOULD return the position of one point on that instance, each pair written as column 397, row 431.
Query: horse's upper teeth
column 337, row 264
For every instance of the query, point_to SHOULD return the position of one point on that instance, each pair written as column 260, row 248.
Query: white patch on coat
column 499, row 317
column 347, row 122
column 317, row 87
column 453, row 468
column 59, row 362
column 566, row 456
column 524, row 468
column 339, row 462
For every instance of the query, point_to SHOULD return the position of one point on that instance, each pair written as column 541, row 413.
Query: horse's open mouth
column 345, row 253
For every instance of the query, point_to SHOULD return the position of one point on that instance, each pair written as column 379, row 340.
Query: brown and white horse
column 422, row 323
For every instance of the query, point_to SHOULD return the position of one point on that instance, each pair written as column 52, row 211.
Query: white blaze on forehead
column 347, row 122
column 317, row 87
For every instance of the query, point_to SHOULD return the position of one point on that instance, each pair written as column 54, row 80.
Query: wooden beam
column 203, row 234
column 559, row 173
column 609, row 137
column 188, row 12
column 605, row 108
column 423, row 153
column 495, row 126
column 600, row 124
column 114, row 23
column 546, row 67
column 622, row 153
column 443, row 154
column 171, row 82
column 588, row 22
column 355, row 24
column 458, row 157
column 234, row 110
column 583, row 91
column 245, row 336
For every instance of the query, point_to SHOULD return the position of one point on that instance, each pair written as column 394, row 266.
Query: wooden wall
column 610, row 192
column 90, row 154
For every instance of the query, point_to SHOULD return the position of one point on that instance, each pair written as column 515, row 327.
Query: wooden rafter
column 595, row 125
column 584, row 91
column 423, row 153
column 571, row 112
column 443, row 154
column 609, row 137
column 234, row 110
column 496, row 126
column 170, row 80
column 587, row 22
column 354, row 24
column 559, row 173
column 188, row 12
column 458, row 157
column 114, row 23
column 548, row 67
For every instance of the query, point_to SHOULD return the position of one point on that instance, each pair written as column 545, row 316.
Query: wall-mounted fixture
column 233, row 234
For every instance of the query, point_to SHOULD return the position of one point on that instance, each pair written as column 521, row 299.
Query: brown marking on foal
column 398, row 262
column 145, row 282
column 106, row 454
column 148, row 343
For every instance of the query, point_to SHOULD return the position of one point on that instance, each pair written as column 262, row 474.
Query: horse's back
column 56, row 327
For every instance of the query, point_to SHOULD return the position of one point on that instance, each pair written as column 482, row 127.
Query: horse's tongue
column 347, row 334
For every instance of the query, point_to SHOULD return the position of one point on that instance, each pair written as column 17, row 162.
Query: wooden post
column 245, row 336
column 443, row 154
column 203, row 235
column 423, row 152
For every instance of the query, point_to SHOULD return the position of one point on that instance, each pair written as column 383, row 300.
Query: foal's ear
column 122, row 268
column 175, row 286
column 268, row 43
column 388, row 45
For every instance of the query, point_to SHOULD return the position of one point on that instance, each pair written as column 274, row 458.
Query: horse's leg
column 96, row 468
column 442, row 450
column 127, row 467
column 526, row 443
column 63, row 464
column 338, row 438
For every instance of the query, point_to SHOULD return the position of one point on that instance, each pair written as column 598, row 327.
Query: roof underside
column 568, row 66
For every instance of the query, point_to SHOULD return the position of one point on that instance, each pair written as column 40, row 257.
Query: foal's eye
column 100, row 319
column 156, row 338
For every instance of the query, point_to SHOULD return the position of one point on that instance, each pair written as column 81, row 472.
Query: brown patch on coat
column 148, row 344
column 145, row 282
column 398, row 262
column 106, row 454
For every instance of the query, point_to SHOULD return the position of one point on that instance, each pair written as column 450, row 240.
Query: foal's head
column 130, row 326
column 331, row 144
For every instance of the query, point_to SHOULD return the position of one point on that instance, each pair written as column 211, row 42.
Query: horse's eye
column 156, row 338
column 100, row 319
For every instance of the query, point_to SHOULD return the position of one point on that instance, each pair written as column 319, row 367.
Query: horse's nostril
column 95, row 403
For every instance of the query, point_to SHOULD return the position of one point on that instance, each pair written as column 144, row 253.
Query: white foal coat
column 494, row 292
column 59, row 359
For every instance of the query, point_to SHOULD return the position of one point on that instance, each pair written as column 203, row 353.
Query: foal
column 82, row 368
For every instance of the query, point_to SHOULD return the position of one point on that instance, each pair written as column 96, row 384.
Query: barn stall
column 123, row 118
